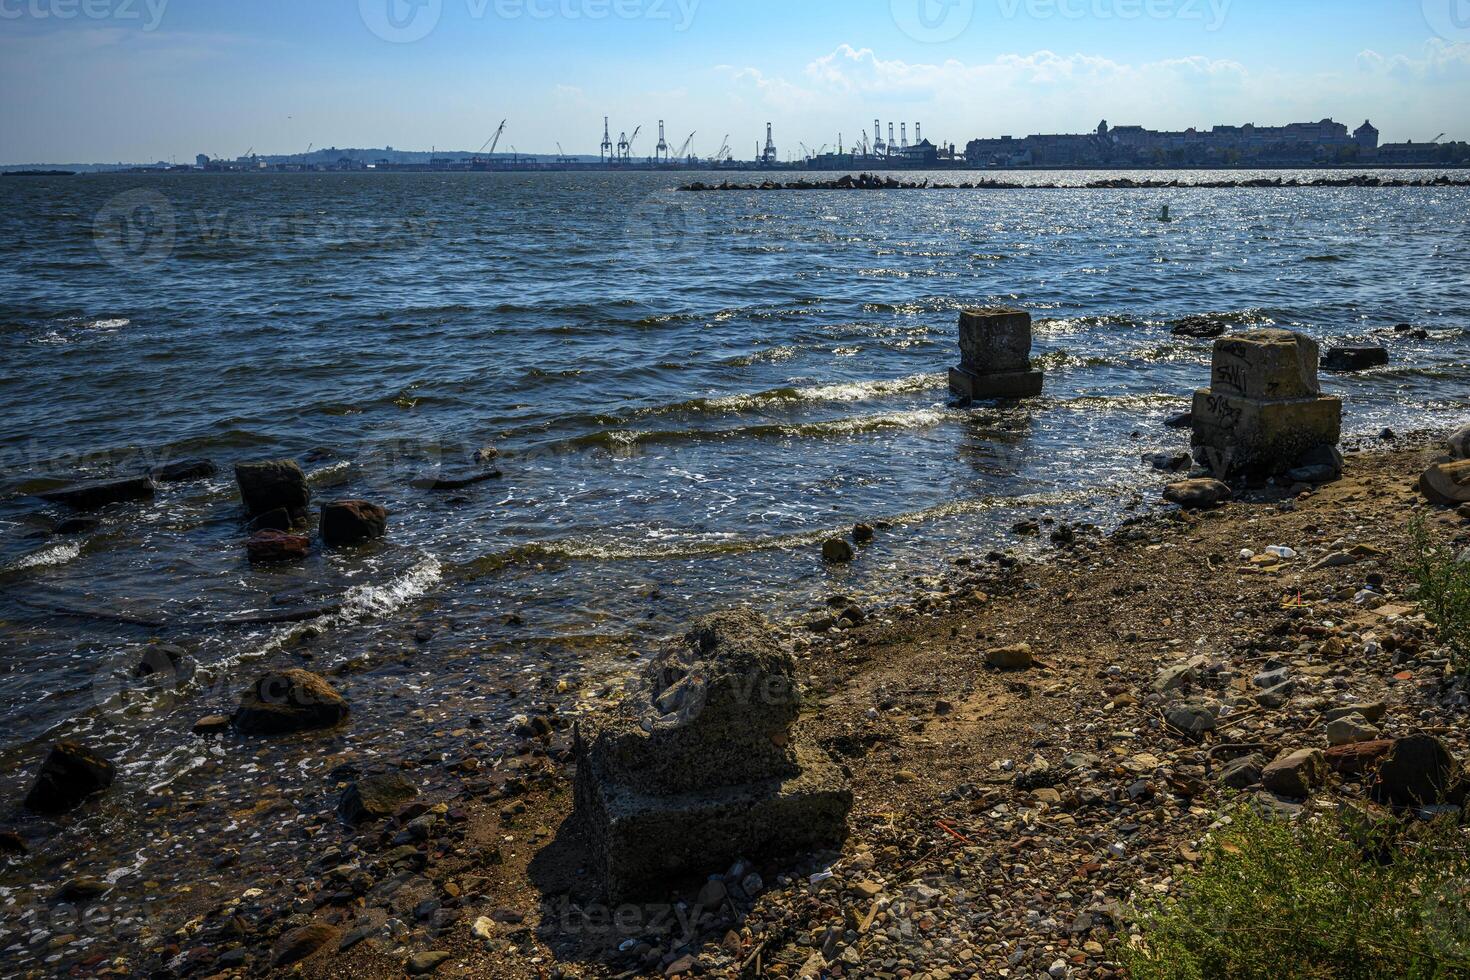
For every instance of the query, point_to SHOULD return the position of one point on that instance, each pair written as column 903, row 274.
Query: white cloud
column 1441, row 61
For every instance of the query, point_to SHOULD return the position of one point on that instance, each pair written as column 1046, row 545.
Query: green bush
column 1443, row 589
column 1340, row 896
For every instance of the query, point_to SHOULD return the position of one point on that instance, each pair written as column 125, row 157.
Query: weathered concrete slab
column 995, row 339
column 1264, row 414
column 704, row 767
column 978, row 387
column 1266, row 364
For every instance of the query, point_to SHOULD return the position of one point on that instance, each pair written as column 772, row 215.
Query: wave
column 48, row 557
column 616, row 440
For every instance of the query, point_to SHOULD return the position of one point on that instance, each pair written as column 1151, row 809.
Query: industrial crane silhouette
column 493, row 141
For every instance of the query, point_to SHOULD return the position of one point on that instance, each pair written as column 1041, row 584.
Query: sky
column 144, row 80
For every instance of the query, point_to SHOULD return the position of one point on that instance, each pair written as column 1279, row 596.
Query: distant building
column 1305, row 143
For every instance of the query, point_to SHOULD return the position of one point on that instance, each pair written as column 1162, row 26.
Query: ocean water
column 688, row 393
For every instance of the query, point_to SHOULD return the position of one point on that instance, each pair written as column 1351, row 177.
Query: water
column 688, row 392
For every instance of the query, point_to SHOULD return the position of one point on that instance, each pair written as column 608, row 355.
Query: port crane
column 684, row 148
column 625, row 145
column 493, row 141
column 561, row 155
column 723, row 151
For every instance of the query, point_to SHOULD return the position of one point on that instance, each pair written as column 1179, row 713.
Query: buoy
column 1164, row 214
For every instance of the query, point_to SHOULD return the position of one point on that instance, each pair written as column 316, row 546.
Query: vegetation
column 1340, row 896
column 1443, row 583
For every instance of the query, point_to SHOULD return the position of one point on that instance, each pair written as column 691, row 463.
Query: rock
column 1264, row 410
column 350, row 522
column 705, row 769
column 1201, row 327
column 486, row 454
column 439, row 482
column 421, row 963
column 1320, row 464
column 483, row 928
column 1447, row 484
column 1242, row 773
column 1175, row 677
column 1356, row 358
column 184, row 471
column 1459, row 443
column 70, row 774
column 266, row 486
column 1169, row 462
column 1373, row 712
column 162, row 659
column 1418, row 771
column 298, row 944
column 81, row 890
column 681, row 966
column 1197, row 494
column 1015, row 657
column 98, row 494
column 76, row 525
column 1350, row 730
column 837, row 551
column 863, row 533
column 995, row 356
column 211, row 725
column 291, row 701
column 277, row 548
column 1276, row 697
column 1192, row 718
column 279, row 519
column 1357, row 758
column 12, row 843
column 1295, row 774
column 375, row 797
column 1183, row 420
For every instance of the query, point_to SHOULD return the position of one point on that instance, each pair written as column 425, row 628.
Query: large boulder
column 290, row 701
column 100, row 493
column 270, row 484
column 70, row 774
column 1459, row 442
column 349, row 522
column 1197, row 494
column 705, row 769
column 1447, row 484
column 1418, row 771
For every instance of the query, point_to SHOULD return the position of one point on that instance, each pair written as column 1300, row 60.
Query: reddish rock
column 349, row 522
column 276, row 547
column 291, row 701
column 1355, row 760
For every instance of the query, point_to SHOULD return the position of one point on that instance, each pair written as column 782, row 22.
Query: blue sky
column 140, row 80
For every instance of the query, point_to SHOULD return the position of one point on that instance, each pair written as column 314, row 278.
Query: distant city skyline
column 143, row 80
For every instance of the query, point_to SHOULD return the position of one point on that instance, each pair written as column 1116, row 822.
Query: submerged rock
column 183, row 471
column 375, row 797
column 705, row 770
column 277, row 547
column 298, row 944
column 271, row 484
column 70, row 774
column 1346, row 359
column 291, row 701
column 93, row 496
column 350, row 522
column 837, row 551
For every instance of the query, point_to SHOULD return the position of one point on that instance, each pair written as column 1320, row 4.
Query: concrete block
column 995, row 340
column 979, row 387
column 1266, row 364
column 1233, row 434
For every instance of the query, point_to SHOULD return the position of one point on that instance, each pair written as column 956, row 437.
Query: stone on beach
column 100, row 493
column 1447, row 484
column 70, row 774
column 837, row 551
column 350, row 522
column 1417, row 771
column 375, row 797
column 289, row 701
column 1264, row 413
column 1459, row 443
column 1295, row 774
column 995, row 356
column 1016, row 657
column 1197, row 494
column 706, row 769
column 298, row 944
column 271, row 484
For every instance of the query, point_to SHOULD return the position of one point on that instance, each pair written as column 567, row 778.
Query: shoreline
column 899, row 694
